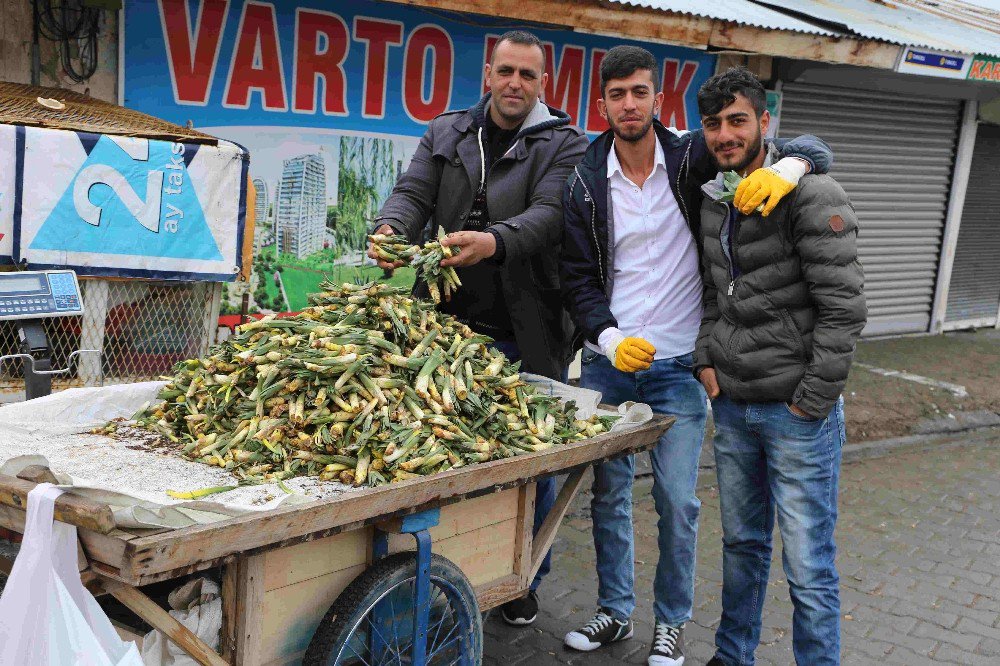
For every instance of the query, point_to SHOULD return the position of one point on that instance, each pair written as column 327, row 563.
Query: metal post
column 422, row 602
column 953, row 219
column 34, row 343
column 95, row 297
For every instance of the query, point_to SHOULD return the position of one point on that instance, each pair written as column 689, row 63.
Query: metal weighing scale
column 29, row 297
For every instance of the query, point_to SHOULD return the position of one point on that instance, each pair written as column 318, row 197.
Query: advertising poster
column 331, row 100
column 122, row 206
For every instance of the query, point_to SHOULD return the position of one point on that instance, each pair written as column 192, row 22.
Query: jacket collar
column 614, row 166
column 542, row 117
column 672, row 143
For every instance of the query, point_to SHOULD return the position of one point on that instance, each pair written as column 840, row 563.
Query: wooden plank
column 498, row 592
column 37, row 474
column 292, row 613
column 200, row 546
column 312, row 559
column 230, row 593
column 526, row 524
column 547, row 532
column 104, row 548
column 647, row 24
column 614, row 20
column 69, row 508
column 466, row 516
column 249, row 609
column 161, row 620
column 483, row 555
column 787, row 44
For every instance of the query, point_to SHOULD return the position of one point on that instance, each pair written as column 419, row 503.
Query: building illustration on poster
column 331, row 103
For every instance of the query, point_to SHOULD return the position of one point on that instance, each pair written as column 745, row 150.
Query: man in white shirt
column 630, row 278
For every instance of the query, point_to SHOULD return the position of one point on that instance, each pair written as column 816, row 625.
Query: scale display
column 39, row 294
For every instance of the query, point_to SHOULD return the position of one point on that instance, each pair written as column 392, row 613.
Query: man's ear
column 602, row 108
column 486, row 75
column 765, row 122
column 657, row 104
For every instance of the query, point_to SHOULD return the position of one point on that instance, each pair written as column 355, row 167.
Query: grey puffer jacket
column 524, row 195
column 783, row 314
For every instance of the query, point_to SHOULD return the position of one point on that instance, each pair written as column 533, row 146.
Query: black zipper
column 593, row 228
column 725, row 251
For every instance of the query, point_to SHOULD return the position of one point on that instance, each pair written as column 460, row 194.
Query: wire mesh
column 142, row 328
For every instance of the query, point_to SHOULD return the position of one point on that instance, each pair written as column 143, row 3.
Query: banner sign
column 122, row 206
column 362, row 66
column 944, row 64
column 8, row 157
column 331, row 100
column 985, row 68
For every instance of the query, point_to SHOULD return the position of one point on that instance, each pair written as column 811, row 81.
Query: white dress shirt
column 657, row 289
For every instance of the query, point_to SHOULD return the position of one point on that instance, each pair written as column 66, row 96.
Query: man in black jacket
column 784, row 306
column 631, row 281
column 492, row 177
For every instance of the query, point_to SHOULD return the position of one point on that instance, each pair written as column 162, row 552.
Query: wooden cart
column 282, row 569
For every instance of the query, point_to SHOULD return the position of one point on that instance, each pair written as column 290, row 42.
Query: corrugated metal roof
column 982, row 14
column 899, row 23
column 738, row 11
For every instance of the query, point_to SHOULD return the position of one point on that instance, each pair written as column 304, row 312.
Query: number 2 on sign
column 146, row 212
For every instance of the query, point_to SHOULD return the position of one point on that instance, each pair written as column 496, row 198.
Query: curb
column 880, row 448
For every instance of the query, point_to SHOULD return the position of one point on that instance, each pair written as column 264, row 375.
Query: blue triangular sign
column 140, row 204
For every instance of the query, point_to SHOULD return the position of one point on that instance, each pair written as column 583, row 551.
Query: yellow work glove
column 764, row 188
column 629, row 354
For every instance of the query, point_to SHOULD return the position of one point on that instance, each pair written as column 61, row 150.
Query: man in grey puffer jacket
column 784, row 306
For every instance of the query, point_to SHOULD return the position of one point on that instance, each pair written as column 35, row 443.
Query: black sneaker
column 668, row 646
column 716, row 662
column 520, row 612
column 601, row 630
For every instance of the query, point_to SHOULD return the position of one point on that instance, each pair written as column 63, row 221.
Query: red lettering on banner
column 675, row 89
column 192, row 53
column 311, row 63
column 565, row 84
column 427, row 38
column 378, row 35
column 975, row 72
column 595, row 123
column 256, row 63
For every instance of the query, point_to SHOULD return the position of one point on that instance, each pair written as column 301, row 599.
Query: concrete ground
column 919, row 548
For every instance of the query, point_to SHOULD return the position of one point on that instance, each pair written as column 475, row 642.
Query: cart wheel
column 371, row 622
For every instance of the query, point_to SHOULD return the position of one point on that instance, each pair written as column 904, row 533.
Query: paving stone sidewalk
column 919, row 559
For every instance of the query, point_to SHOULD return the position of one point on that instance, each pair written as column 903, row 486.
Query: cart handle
column 69, row 361
column 69, row 508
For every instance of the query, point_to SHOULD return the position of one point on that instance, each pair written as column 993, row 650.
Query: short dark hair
column 622, row 61
column 522, row 37
column 720, row 91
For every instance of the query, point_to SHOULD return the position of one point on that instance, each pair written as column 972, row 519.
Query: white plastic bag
column 198, row 606
column 47, row 616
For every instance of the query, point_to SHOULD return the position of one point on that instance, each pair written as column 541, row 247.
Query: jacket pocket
column 793, row 334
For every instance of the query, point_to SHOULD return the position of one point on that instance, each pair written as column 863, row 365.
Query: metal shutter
column 974, row 295
column 894, row 156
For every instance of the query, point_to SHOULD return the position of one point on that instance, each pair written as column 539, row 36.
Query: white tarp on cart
column 133, row 476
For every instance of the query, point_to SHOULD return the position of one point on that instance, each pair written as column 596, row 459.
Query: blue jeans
column 668, row 387
column 545, row 490
column 770, row 461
